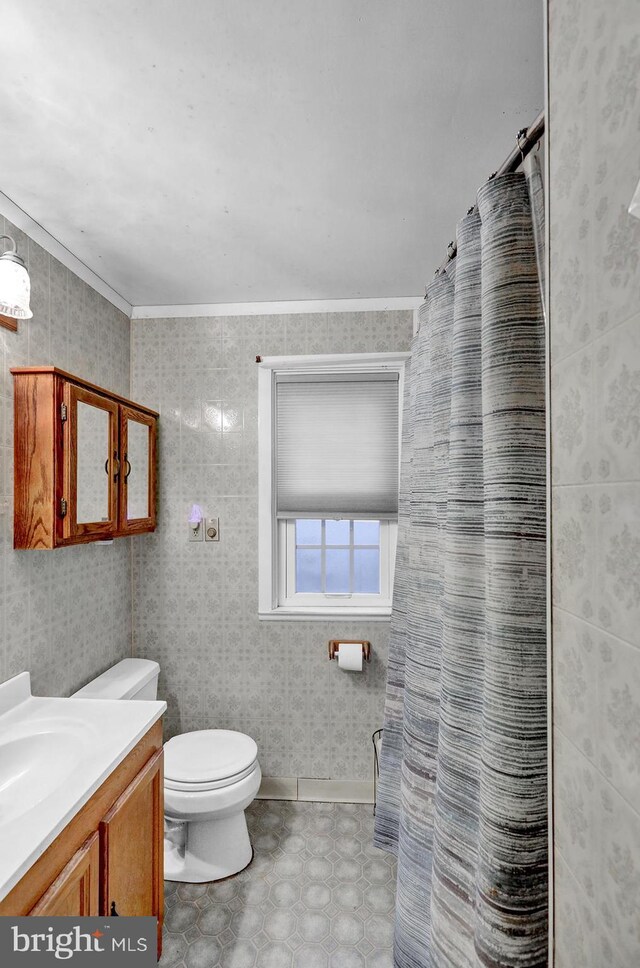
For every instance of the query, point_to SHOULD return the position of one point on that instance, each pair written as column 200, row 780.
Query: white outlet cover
column 199, row 535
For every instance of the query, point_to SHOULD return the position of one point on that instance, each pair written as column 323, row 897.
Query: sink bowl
column 36, row 763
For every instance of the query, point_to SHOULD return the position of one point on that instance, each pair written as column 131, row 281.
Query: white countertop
column 54, row 754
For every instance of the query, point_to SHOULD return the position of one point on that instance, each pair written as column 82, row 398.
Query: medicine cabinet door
column 91, row 466
column 138, row 488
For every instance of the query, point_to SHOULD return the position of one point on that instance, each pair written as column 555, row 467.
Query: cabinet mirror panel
column 93, row 464
column 137, row 470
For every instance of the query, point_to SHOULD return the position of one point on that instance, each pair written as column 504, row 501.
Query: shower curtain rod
column 526, row 140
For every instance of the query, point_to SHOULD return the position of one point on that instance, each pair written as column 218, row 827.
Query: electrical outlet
column 196, row 534
column 211, row 529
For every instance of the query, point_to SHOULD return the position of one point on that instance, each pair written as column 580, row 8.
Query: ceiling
column 203, row 151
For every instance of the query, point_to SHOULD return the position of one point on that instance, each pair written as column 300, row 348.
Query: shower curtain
column 462, row 797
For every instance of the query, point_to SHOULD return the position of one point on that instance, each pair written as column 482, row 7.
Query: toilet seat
column 171, row 784
column 208, row 759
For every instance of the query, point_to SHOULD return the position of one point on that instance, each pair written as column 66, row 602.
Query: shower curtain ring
column 521, row 141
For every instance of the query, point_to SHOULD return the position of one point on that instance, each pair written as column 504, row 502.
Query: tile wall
column 65, row 615
column 595, row 403
column 195, row 604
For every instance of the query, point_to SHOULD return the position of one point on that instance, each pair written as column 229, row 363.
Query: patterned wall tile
column 618, row 715
column 577, row 944
column 195, row 605
column 619, row 870
column 574, row 549
column 573, row 419
column 594, row 145
column 617, row 380
column 575, row 671
column 618, row 560
column 577, row 817
column 64, row 615
column 614, row 113
column 570, row 296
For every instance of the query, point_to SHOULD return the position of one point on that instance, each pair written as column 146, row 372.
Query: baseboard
column 307, row 788
column 278, row 788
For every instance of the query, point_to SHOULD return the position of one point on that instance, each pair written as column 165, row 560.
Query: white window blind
column 337, row 445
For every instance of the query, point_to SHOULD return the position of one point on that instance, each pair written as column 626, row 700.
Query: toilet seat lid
column 207, row 755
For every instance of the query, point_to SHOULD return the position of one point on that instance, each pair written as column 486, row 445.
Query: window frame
column 273, row 602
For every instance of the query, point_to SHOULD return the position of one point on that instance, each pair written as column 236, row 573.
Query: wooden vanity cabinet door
column 132, row 844
column 75, row 891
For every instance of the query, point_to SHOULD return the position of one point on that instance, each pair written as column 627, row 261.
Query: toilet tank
column 128, row 679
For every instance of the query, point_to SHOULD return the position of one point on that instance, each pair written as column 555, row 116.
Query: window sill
column 324, row 614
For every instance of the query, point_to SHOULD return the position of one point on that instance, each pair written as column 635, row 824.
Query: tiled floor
column 317, row 895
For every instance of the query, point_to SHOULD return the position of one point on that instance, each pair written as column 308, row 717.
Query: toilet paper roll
column 350, row 656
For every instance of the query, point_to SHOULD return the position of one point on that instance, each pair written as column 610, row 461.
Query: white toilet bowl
column 211, row 777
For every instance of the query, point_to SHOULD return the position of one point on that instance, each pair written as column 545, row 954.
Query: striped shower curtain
column 462, row 797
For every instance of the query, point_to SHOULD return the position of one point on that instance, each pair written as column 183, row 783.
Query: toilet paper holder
column 334, row 647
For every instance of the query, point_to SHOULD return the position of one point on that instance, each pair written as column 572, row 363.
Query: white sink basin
column 33, row 765
column 54, row 754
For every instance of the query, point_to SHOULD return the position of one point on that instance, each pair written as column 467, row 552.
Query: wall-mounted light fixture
column 15, row 287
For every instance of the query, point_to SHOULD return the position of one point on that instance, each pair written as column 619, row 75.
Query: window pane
column 366, row 532
column 366, row 571
column 337, row 571
column 337, row 532
column 308, row 531
column 308, row 570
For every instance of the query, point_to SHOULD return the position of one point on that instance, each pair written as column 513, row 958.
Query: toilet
column 210, row 778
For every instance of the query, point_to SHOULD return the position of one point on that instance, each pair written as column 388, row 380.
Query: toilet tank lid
column 121, row 681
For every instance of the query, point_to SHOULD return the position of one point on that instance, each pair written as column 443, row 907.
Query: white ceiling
column 201, row 151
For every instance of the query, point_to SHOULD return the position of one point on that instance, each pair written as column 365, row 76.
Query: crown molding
column 35, row 231
column 284, row 308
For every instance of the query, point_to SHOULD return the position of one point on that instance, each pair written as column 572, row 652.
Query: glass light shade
column 196, row 515
column 15, row 288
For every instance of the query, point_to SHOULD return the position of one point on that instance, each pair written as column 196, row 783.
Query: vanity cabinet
column 108, row 860
column 75, row 892
column 84, row 461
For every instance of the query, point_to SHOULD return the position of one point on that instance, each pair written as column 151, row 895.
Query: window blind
column 337, row 445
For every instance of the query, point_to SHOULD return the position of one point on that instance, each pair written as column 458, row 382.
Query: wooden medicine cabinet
column 84, row 461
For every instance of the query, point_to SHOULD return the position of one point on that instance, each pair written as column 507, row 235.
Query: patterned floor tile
column 316, row 895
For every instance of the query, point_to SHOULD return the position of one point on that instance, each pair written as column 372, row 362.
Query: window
column 344, row 561
column 329, row 461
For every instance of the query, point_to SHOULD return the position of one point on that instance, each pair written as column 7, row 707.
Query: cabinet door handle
column 114, row 913
column 128, row 470
column 117, row 462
